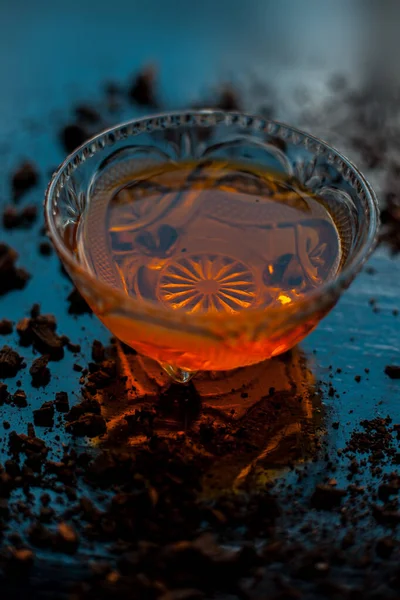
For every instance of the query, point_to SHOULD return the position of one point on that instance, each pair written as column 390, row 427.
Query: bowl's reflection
column 249, row 425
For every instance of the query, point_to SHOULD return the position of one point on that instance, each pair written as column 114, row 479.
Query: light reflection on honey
column 283, row 299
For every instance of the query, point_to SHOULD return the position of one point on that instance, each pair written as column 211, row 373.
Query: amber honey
column 207, row 238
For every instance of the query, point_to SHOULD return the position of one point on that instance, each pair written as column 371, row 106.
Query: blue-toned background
column 52, row 50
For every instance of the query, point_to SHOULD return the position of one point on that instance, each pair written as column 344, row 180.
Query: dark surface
column 308, row 443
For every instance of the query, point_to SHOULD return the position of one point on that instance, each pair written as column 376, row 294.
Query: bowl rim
column 319, row 298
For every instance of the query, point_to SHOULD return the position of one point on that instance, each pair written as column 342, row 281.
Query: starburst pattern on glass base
column 207, row 283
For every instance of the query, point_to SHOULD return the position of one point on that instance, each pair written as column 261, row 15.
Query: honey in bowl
column 208, row 238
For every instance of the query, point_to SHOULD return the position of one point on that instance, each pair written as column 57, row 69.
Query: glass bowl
column 184, row 343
